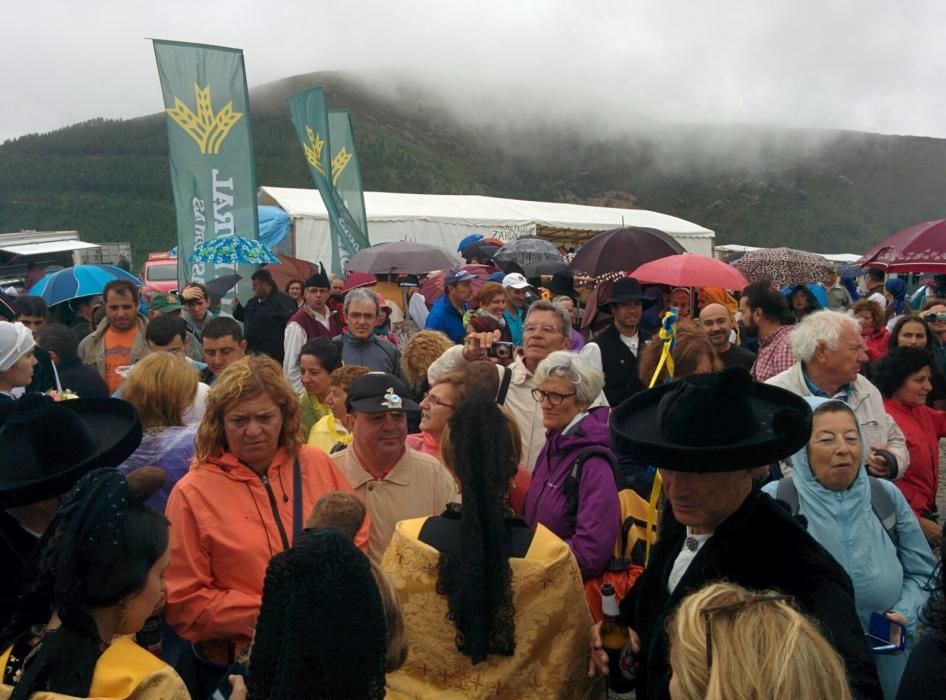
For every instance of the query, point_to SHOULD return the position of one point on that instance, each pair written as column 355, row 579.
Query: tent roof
column 549, row 217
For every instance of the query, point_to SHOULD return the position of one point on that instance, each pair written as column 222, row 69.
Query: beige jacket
column 92, row 347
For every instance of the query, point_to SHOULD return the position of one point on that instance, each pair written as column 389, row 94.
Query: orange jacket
column 223, row 534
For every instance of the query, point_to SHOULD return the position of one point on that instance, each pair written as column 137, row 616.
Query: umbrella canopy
column 624, row 248
column 79, row 281
column 432, row 288
column 545, row 267
column 920, row 248
column 468, row 241
column 527, row 250
column 784, row 266
column 400, row 257
column 481, row 251
column 218, row 288
column 690, row 270
column 289, row 268
column 233, row 250
column 356, row 280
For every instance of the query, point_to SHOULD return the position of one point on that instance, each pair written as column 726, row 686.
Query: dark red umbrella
column 290, row 268
column 920, row 248
column 432, row 288
column 623, row 249
column 690, row 270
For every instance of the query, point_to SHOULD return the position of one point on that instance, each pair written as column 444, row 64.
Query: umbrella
column 468, row 241
column 358, row 279
column 218, row 288
column 528, row 249
column 920, row 248
column 79, row 281
column 624, row 248
column 784, row 266
column 545, row 267
column 432, row 288
column 481, row 251
column 233, row 250
column 690, row 270
column 400, row 257
column 289, row 268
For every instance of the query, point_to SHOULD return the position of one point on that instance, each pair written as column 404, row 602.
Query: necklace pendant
column 692, row 544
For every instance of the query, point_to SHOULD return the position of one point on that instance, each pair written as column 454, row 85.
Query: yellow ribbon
column 667, row 336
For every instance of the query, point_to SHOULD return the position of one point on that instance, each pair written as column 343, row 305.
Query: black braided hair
column 478, row 584
column 321, row 631
column 97, row 551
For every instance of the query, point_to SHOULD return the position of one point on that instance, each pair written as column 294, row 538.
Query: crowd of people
column 321, row 493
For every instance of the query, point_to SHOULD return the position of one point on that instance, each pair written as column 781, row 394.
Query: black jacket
column 15, row 547
column 265, row 323
column 761, row 547
column 619, row 364
column 84, row 380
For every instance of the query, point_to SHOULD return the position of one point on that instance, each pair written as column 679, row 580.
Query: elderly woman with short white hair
column 585, row 512
column 16, row 359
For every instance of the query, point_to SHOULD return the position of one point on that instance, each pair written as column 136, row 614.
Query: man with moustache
column 313, row 320
column 718, row 324
column 766, row 321
column 393, row 481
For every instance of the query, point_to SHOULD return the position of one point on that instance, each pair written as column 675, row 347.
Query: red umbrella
column 432, row 288
column 690, row 270
column 358, row 279
column 290, row 268
column 920, row 248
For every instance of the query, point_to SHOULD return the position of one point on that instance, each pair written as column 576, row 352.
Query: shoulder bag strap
column 884, row 508
column 297, row 516
column 504, row 386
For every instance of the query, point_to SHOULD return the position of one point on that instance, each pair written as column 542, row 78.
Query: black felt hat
column 711, row 423
column 46, row 446
column 563, row 283
column 626, row 289
column 319, row 279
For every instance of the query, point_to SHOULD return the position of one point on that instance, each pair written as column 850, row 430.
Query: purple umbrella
column 623, row 249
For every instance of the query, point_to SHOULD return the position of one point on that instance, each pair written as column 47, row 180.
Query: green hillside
column 829, row 192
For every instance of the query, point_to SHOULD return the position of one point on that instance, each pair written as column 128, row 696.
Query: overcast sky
column 864, row 65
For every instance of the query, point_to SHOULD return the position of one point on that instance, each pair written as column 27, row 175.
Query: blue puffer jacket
column 445, row 318
column 885, row 577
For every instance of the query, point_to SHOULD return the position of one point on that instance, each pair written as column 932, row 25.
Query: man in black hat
column 622, row 341
column 314, row 319
column 35, row 471
column 265, row 316
column 393, row 481
column 707, row 434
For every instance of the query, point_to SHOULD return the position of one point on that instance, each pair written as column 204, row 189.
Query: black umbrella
column 545, row 267
column 219, row 287
column 623, row 249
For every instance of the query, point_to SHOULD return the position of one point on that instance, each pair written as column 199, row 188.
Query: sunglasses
column 710, row 613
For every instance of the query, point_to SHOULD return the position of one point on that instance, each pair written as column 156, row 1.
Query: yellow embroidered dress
column 124, row 670
column 552, row 627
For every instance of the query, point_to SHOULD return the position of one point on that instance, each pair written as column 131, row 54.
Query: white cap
column 515, row 280
column 15, row 341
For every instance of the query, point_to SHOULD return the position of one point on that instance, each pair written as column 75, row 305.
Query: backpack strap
column 884, row 508
column 573, row 480
column 504, row 386
column 787, row 493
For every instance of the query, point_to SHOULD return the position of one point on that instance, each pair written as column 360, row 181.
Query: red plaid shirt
column 775, row 355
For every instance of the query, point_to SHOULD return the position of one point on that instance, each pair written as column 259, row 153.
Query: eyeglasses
column 433, row 400
column 544, row 328
column 709, row 613
column 555, row 398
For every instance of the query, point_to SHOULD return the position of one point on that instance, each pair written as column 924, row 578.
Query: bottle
column 616, row 640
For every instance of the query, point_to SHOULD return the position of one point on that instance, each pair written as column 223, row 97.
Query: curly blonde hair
column 762, row 649
column 248, row 378
column 420, row 352
column 690, row 348
column 161, row 387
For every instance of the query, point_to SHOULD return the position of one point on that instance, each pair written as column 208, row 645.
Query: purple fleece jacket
column 599, row 511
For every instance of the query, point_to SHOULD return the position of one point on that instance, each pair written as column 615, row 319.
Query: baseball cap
column 455, row 275
column 516, row 281
column 166, row 303
column 377, row 392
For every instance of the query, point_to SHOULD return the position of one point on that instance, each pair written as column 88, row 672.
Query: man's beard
column 751, row 330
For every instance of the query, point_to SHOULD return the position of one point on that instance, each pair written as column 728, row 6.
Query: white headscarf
column 15, row 341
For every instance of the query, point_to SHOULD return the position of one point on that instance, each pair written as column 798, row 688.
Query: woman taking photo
column 566, row 387
column 903, row 377
column 830, row 487
column 99, row 569
column 243, row 500
column 490, row 605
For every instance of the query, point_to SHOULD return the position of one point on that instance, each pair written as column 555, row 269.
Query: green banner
column 329, row 163
column 211, row 151
column 346, row 171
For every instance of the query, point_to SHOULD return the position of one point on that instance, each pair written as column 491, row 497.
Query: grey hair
column 587, row 379
column 563, row 319
column 820, row 327
column 362, row 294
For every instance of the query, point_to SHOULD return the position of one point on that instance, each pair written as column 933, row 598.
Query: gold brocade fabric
column 124, row 671
column 552, row 627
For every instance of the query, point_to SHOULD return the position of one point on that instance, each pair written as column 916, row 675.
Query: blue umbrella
column 469, row 240
column 79, row 281
column 233, row 250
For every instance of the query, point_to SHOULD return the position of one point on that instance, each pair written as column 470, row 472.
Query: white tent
column 445, row 220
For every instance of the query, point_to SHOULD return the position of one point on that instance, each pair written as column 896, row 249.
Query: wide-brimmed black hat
column 626, row 289
column 46, row 446
column 711, row 423
column 377, row 392
column 563, row 284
